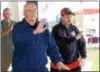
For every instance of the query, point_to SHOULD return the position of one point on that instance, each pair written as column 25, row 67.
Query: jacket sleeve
column 52, row 50
column 81, row 45
column 20, row 36
column 60, row 39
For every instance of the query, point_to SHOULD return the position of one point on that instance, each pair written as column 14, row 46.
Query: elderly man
column 6, row 39
column 32, row 43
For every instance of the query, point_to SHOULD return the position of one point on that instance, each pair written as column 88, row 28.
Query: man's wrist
column 34, row 32
column 60, row 62
column 9, row 30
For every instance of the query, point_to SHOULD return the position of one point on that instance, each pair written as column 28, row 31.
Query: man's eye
column 67, row 17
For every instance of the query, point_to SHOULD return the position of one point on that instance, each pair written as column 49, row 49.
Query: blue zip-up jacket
column 31, row 51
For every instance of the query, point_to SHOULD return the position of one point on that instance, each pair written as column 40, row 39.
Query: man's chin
column 33, row 19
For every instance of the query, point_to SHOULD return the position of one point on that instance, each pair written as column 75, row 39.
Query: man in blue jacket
column 32, row 43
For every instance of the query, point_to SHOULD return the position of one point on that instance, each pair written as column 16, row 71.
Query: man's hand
column 7, row 31
column 82, row 62
column 60, row 66
column 11, row 27
column 79, row 35
column 40, row 28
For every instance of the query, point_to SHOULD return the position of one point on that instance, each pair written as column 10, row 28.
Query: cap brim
column 70, row 13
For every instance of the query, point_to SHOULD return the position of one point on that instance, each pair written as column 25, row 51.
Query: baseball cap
column 65, row 11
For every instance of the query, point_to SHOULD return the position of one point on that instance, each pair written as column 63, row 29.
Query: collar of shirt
column 34, row 26
column 65, row 26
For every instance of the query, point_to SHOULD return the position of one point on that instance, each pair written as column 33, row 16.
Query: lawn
column 93, row 55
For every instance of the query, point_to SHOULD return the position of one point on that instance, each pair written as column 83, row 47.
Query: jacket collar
column 64, row 25
column 27, row 24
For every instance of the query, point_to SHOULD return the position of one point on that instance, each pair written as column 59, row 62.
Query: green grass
column 93, row 55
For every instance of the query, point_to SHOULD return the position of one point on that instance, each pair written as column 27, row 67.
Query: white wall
column 16, row 9
column 20, row 8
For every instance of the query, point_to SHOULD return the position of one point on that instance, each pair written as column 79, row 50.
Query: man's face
column 7, row 14
column 67, row 19
column 30, row 12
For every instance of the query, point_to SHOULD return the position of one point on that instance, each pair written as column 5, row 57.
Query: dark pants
column 29, row 70
column 74, row 70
